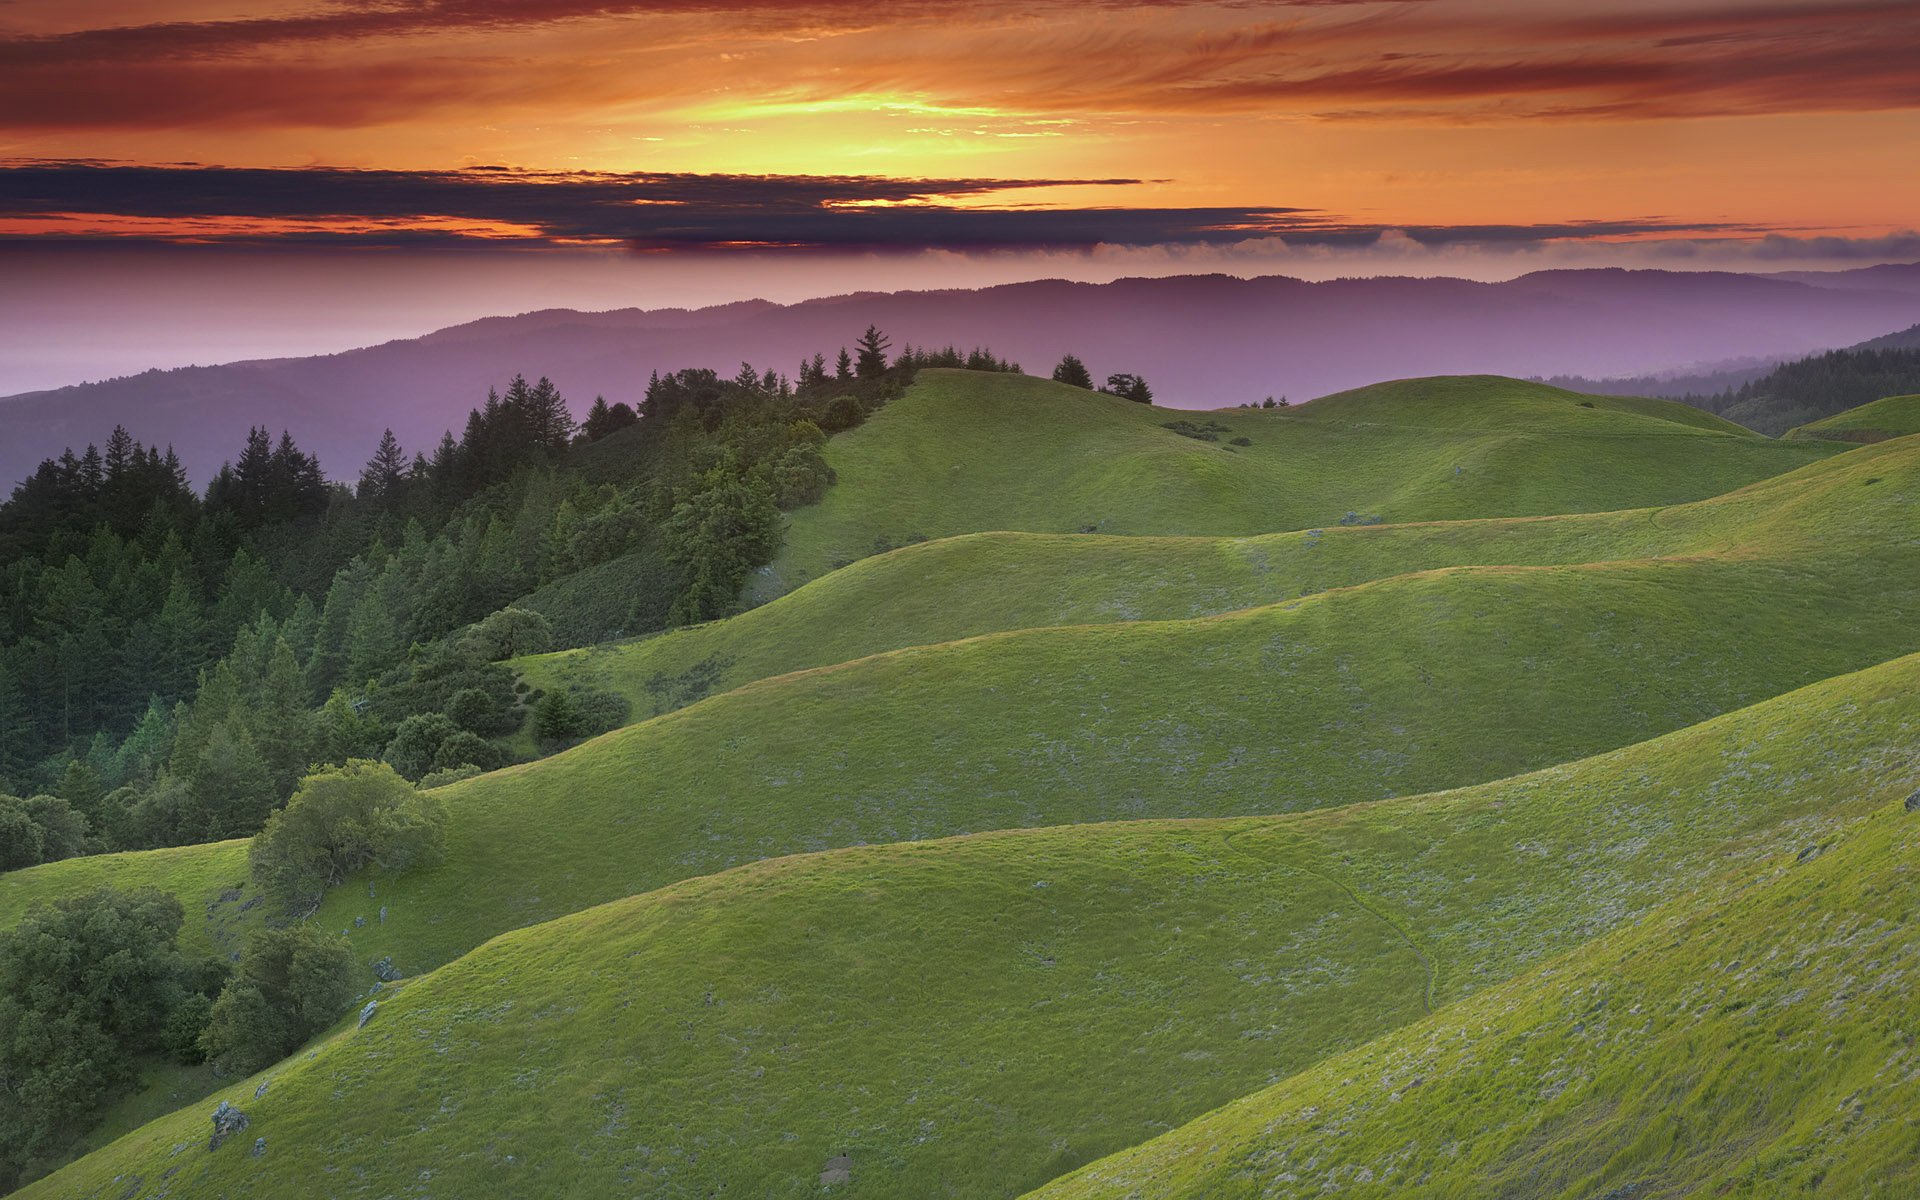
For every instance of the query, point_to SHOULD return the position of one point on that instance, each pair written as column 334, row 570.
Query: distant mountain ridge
column 1203, row 341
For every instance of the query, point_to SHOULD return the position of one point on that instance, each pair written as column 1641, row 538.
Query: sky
column 213, row 179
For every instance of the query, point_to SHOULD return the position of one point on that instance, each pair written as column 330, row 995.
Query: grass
column 1016, row 680
column 1893, row 417
column 210, row 880
column 984, row 583
column 1407, row 684
column 966, row 452
column 978, row 1015
column 1750, row 1039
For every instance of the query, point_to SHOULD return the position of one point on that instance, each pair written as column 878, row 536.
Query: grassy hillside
column 965, row 452
column 985, row 583
column 1386, row 688
column 974, row 1016
column 1753, row 1039
column 1895, row 416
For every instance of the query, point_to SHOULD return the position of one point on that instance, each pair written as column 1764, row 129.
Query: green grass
column 211, row 881
column 985, row 583
column 1750, row 1039
column 1895, row 416
column 977, row 1015
column 966, row 452
column 1403, row 685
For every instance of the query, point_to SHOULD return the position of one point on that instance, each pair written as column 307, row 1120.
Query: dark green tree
column 1073, row 372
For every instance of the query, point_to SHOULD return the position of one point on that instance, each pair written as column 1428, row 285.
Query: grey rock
column 1913, row 802
column 385, row 971
column 366, row 1014
column 839, row 1169
column 259, row 1146
column 359, row 922
column 383, row 914
column 262, row 1089
column 227, row 1121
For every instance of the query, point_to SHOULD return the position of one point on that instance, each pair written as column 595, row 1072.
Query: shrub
column 438, row 779
column 189, row 1020
column 480, row 711
column 89, row 983
column 292, row 983
column 465, row 749
column 1241, row 441
column 340, row 820
column 414, row 744
column 39, row 829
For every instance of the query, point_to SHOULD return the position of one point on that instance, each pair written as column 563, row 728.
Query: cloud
column 355, row 65
column 648, row 211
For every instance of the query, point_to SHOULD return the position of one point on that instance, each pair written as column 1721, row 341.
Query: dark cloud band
column 677, row 211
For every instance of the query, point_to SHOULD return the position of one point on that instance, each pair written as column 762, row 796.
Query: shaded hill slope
column 1892, row 417
column 975, row 1015
column 964, row 452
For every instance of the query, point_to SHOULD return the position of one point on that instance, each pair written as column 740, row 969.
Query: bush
column 88, row 985
column 1241, row 441
column 417, row 741
column 465, row 749
column 181, row 1037
column 293, row 983
column 439, row 779
column 478, row 710
column 340, row 820
column 562, row 717
column 39, row 829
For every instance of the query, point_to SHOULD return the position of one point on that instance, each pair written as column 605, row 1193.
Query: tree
column 556, row 719
column 39, row 829
column 417, row 741
column 292, row 983
column 604, row 418
column 873, row 354
column 86, row 987
column 1129, row 387
column 509, row 633
column 383, row 481
column 843, row 367
column 723, row 529
column 1073, row 372
column 230, row 787
column 464, row 748
column 340, row 820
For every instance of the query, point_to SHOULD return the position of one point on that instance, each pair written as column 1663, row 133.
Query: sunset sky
column 600, row 152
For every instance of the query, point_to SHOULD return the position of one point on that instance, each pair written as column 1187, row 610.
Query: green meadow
column 976, row 1015
column 1372, row 808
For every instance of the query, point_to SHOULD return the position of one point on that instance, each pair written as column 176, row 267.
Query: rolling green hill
column 964, row 452
column 1011, row 680
column 1752, row 1039
column 976, row 1015
column 1893, row 417
column 986, row 583
column 1380, row 689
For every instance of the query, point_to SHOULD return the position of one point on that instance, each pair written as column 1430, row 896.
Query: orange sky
column 1799, row 118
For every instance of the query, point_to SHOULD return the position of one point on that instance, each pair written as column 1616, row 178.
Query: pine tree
column 383, row 480
column 1073, row 372
column 843, row 369
column 873, row 354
